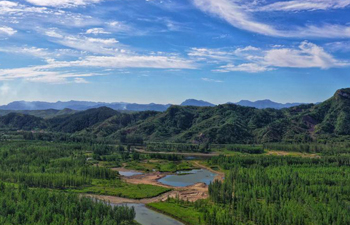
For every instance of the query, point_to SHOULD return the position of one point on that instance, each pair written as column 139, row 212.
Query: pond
column 129, row 173
column 187, row 178
column 147, row 216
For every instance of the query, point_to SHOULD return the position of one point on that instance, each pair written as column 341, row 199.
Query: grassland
column 186, row 214
column 121, row 189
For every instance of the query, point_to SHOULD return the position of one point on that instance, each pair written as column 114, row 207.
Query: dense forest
column 223, row 124
column 281, row 190
column 38, row 206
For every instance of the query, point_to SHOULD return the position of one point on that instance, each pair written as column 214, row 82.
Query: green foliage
column 181, row 210
column 281, row 190
column 25, row 206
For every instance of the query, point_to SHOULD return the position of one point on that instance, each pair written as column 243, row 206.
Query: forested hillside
column 188, row 124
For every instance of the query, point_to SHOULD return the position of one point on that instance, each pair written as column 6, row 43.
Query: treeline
column 176, row 147
column 169, row 157
column 51, row 165
column 42, row 180
column 41, row 207
column 324, row 149
column 229, row 163
column 281, row 190
column 249, row 149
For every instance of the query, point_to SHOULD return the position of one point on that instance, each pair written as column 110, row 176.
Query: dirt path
column 219, row 175
column 190, row 193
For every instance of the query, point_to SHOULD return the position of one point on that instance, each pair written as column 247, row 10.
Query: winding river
column 147, row 216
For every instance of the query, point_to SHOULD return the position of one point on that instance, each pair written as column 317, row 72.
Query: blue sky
column 166, row 51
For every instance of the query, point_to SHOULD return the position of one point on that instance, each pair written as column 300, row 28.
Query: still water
column 147, row 216
column 129, row 173
column 187, row 178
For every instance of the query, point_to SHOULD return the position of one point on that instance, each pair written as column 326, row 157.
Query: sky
column 166, row 51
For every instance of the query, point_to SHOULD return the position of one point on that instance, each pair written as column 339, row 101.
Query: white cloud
column 54, row 71
column 63, row 3
column 235, row 15
column 240, row 17
column 104, row 46
column 130, row 61
column 341, row 46
column 80, row 80
column 211, row 80
column 219, row 55
column 308, row 55
column 7, row 30
column 300, row 5
column 40, row 52
column 39, row 74
column 7, row 7
column 53, row 33
column 97, row 31
column 245, row 67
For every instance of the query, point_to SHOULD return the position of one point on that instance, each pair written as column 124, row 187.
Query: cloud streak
column 242, row 18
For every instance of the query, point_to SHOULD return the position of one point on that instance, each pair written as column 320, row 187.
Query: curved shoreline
column 191, row 193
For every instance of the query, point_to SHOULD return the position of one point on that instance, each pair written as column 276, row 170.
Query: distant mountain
column 82, row 105
column 47, row 113
column 194, row 102
column 24, row 106
column 265, row 104
column 222, row 124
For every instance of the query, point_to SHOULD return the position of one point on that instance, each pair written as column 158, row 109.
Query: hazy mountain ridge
column 227, row 123
column 264, row 104
column 123, row 106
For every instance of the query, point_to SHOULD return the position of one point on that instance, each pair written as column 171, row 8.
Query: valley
column 132, row 163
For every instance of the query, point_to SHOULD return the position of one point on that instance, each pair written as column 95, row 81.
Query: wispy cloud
column 63, row 3
column 219, row 55
column 300, row 5
column 97, row 31
column 241, row 17
column 306, row 55
column 245, row 67
column 58, row 71
column 211, row 80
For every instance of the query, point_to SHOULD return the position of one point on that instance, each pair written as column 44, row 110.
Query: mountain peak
column 195, row 102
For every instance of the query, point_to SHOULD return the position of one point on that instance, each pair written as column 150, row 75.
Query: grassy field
column 122, row 189
column 187, row 215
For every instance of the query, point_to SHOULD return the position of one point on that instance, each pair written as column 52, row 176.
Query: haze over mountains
column 123, row 106
column 228, row 123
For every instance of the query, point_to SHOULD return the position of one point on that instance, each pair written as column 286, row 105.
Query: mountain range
column 228, row 123
column 122, row 106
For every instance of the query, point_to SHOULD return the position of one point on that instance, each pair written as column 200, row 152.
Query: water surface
column 187, row 178
column 129, row 173
column 147, row 216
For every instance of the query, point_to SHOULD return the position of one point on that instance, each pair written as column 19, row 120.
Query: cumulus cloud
column 7, row 30
column 240, row 16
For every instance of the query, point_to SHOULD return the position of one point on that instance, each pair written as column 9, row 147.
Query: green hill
column 227, row 123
